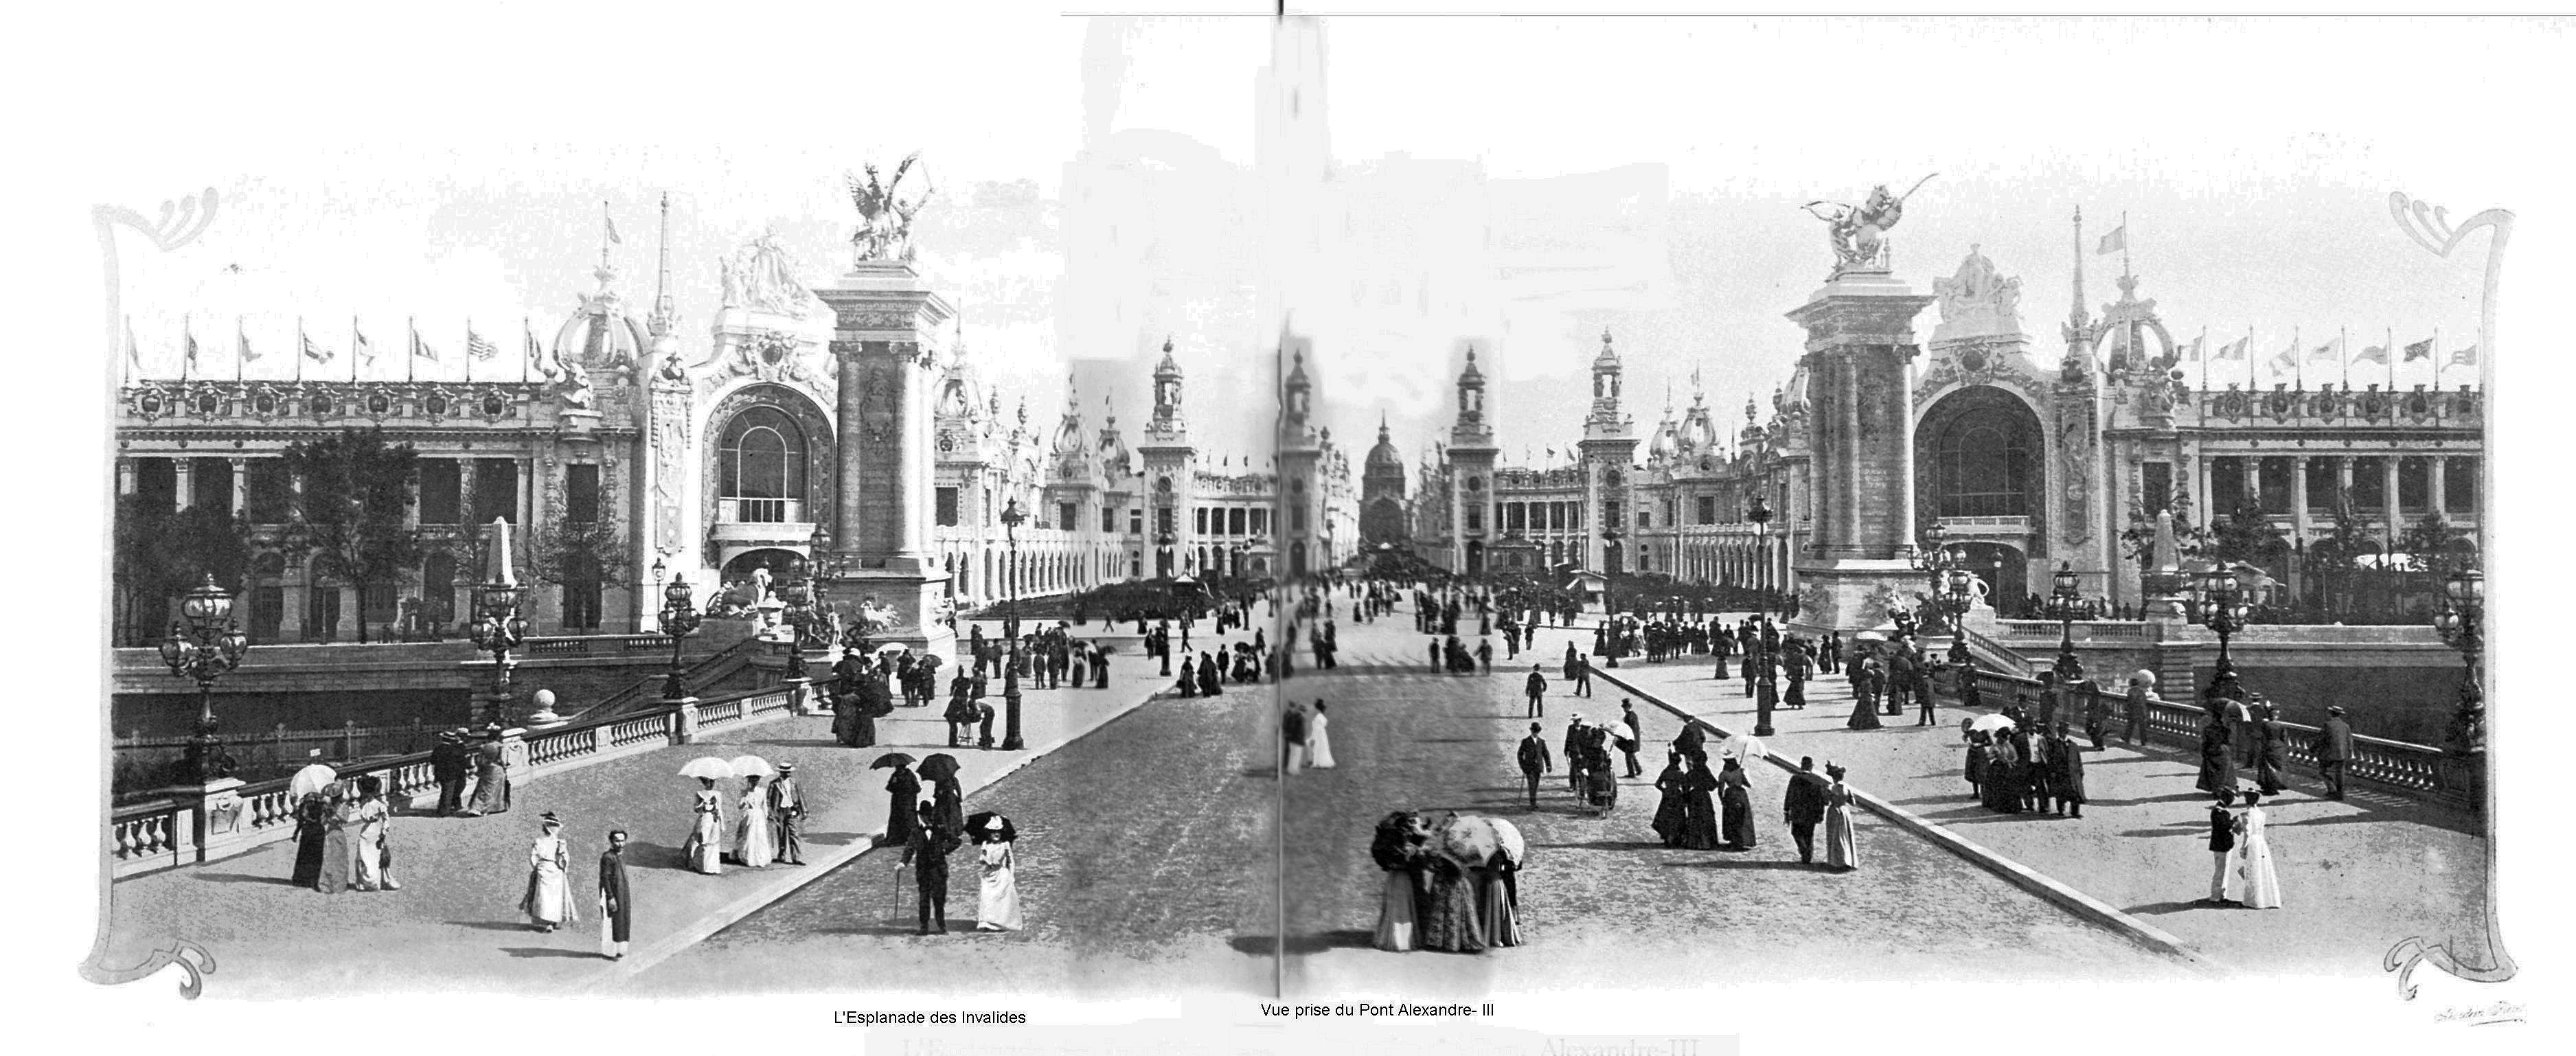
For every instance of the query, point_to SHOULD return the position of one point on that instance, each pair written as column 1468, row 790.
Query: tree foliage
column 2246, row 535
column 161, row 553
column 350, row 510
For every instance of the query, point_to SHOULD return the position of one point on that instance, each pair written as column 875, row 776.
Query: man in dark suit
column 2222, row 845
column 926, row 849
column 1805, row 807
column 1537, row 689
column 1292, row 736
column 449, row 763
column 1534, row 760
column 2333, row 747
column 1902, row 669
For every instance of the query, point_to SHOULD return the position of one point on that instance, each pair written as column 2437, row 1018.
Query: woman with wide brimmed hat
column 998, row 902
column 548, row 901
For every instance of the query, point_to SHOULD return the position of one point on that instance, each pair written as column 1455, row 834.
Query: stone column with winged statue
column 885, row 331
column 1860, row 344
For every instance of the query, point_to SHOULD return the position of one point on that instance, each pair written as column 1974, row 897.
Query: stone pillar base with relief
column 1851, row 595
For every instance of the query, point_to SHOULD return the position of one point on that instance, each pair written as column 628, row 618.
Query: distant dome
column 1665, row 444
column 1384, row 456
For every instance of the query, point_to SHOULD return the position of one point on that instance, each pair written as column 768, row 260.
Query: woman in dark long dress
column 311, row 820
column 948, row 801
column 2005, row 776
column 2217, row 766
column 1668, row 810
column 2268, row 752
column 1208, row 676
column 901, row 814
column 1449, row 920
column 1735, row 793
column 1864, row 680
column 1699, row 812
column 337, row 834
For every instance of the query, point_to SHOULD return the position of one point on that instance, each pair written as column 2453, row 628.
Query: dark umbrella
column 940, row 767
column 989, row 827
column 892, row 759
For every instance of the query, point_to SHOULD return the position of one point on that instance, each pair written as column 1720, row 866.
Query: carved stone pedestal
column 886, row 325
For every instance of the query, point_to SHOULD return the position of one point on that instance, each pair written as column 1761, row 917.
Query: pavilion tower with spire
column 1471, row 459
column 1171, row 472
column 1609, row 455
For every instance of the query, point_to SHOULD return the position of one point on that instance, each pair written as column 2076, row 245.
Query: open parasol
column 707, row 767
column 940, row 767
column 989, row 827
column 890, row 760
column 310, row 780
column 1989, row 724
column 749, row 765
column 1743, row 748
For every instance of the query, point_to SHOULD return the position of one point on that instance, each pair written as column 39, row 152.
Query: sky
column 1548, row 179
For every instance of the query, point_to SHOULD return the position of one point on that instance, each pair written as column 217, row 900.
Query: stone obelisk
column 1860, row 342
column 885, row 333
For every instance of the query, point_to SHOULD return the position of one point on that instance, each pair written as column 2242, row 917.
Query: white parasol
column 707, row 767
column 1743, row 748
column 749, row 765
column 1989, row 723
column 310, row 780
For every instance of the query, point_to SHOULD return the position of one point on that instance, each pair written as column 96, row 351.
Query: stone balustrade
column 2418, row 771
column 228, row 818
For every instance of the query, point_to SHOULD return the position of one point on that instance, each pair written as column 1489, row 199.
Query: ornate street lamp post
column 2222, row 610
column 1011, row 518
column 1760, row 515
column 202, row 648
column 2066, row 605
column 680, row 619
column 798, row 594
column 500, row 627
column 1955, row 601
column 2462, row 623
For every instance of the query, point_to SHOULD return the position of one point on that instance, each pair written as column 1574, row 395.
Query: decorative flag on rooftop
column 420, row 349
column 2330, row 352
column 316, row 352
column 187, row 344
column 2373, row 354
column 242, row 342
column 2420, row 350
column 2191, row 351
column 2114, row 241
column 365, row 350
column 477, row 347
column 2286, row 359
column 2466, row 357
column 2233, row 349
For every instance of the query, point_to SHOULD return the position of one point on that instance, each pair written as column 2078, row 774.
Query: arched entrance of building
column 1475, row 556
column 1979, row 455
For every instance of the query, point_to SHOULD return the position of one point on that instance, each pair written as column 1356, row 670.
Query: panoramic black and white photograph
column 1313, row 520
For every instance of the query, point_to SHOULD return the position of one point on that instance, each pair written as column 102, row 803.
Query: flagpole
column 2204, row 359
column 524, row 334
column 469, row 342
column 299, row 349
column 184, row 364
column 2389, row 343
column 2345, row 347
column 241, row 344
column 355, row 340
column 2437, row 356
column 2124, row 244
column 2298, row 357
column 411, row 347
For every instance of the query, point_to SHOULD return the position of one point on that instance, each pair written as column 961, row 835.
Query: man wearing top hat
column 2333, row 748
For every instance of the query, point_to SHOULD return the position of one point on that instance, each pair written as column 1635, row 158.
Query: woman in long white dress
column 2262, row 886
column 1319, row 742
column 998, row 904
column 704, row 849
column 751, row 843
column 548, row 902
column 367, row 821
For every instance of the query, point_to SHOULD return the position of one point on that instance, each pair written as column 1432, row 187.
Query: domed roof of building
column 1169, row 365
column 1384, row 455
column 1698, row 431
column 1471, row 373
column 601, row 333
column 1608, row 359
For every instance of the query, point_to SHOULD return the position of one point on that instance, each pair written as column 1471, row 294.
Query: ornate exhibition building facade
column 2022, row 459
column 625, row 448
